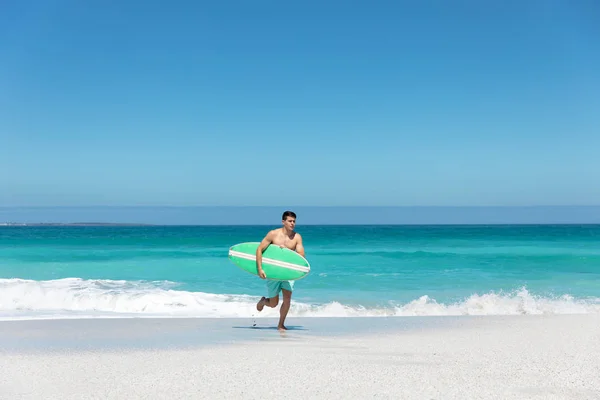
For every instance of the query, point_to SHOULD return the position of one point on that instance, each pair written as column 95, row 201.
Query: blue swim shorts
column 274, row 287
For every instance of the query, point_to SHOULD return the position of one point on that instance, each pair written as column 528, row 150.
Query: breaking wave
column 79, row 298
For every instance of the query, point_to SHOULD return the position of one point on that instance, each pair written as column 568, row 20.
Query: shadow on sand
column 289, row 327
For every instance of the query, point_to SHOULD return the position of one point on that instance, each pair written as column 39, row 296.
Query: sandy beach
column 504, row 357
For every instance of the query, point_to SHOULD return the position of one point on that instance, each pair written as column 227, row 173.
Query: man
column 283, row 237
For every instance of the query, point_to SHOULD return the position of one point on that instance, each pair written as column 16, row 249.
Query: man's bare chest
column 285, row 241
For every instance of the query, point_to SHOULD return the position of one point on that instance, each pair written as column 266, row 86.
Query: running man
column 283, row 237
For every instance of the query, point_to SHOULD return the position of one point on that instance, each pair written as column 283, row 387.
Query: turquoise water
column 356, row 270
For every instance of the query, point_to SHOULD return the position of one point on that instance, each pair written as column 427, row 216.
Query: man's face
column 289, row 222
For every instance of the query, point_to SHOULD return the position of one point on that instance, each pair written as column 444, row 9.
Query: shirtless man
column 283, row 237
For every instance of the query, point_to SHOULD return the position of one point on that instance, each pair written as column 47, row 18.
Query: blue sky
column 465, row 103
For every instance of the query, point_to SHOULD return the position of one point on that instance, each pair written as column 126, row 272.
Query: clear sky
column 329, row 103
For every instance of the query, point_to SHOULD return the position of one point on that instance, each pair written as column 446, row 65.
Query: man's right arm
column 261, row 247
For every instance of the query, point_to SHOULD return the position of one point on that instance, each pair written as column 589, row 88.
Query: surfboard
column 279, row 263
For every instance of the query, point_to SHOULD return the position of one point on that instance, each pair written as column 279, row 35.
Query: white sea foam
column 78, row 298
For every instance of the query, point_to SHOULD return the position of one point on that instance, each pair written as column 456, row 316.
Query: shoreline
column 108, row 333
column 177, row 333
column 543, row 356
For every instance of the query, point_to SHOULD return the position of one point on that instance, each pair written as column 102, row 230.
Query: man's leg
column 273, row 288
column 286, row 289
column 267, row 301
column 285, row 307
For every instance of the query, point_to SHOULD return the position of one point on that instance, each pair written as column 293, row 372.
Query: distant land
column 306, row 215
column 69, row 224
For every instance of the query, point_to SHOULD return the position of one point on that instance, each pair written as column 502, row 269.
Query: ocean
column 183, row 271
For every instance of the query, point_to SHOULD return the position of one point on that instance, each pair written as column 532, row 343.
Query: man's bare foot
column 281, row 328
column 261, row 304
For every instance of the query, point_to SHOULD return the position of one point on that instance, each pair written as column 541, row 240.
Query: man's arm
column 299, row 245
column 261, row 247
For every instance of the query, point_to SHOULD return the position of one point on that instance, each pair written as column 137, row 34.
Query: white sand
column 515, row 357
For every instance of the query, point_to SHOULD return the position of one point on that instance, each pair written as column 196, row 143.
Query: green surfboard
column 279, row 263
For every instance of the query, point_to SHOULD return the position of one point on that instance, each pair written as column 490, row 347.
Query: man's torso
column 281, row 239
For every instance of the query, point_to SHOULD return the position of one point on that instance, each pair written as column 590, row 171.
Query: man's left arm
column 299, row 245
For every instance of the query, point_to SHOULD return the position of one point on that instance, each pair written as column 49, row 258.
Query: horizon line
column 140, row 224
column 304, row 206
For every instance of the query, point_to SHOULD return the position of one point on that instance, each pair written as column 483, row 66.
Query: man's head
column 289, row 220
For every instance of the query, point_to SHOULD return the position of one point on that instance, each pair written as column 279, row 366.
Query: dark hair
column 288, row 214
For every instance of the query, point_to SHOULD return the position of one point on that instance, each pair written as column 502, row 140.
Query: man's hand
column 262, row 274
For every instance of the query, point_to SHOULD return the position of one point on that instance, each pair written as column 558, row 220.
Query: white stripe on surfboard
column 265, row 260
